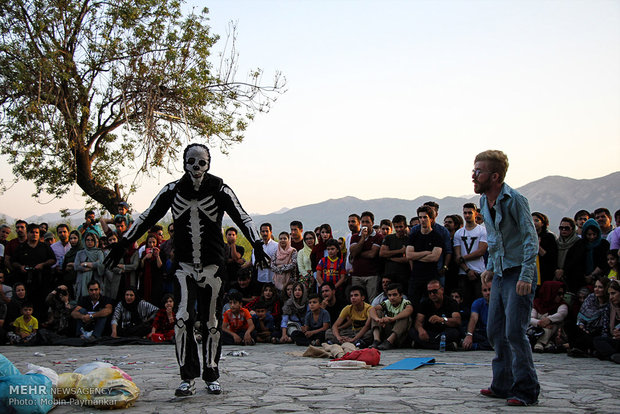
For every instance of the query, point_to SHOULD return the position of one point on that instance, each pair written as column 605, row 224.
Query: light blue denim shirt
column 512, row 236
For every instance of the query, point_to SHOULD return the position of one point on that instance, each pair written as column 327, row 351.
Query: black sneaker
column 214, row 387
column 186, row 389
column 375, row 344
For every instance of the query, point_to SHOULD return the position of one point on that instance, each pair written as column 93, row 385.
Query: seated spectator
column 88, row 265
column 270, row 300
column 248, row 288
column 293, row 312
column 436, row 317
column 457, row 295
column 151, row 284
column 284, row 262
column 287, row 292
column 353, row 323
column 6, row 292
column 60, row 305
column 304, row 261
column 25, row 326
column 316, row 322
column 476, row 335
column 383, row 296
column 590, row 320
column 132, row 316
column 331, row 267
column 612, row 262
column 330, row 301
column 264, row 323
column 14, row 307
column 92, row 312
column 237, row 326
column 548, row 312
column 164, row 322
column 3, row 308
column 587, row 259
column 391, row 319
column 608, row 344
column 547, row 247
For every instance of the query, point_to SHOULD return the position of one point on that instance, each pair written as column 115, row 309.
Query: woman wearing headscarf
column 132, row 316
column 88, row 265
column 548, row 312
column 567, row 238
column 547, row 247
column 587, row 259
column 304, row 261
column 269, row 296
column 590, row 320
column 284, row 262
column 608, row 344
column 68, row 264
column 320, row 250
column 294, row 312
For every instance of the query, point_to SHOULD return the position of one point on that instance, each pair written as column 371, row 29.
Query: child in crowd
column 316, row 322
column 266, row 329
column 26, row 326
column 293, row 312
column 237, row 327
column 612, row 262
column 271, row 301
column 331, row 268
column 165, row 319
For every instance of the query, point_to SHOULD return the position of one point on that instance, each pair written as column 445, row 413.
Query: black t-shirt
column 334, row 311
column 32, row 256
column 424, row 242
column 86, row 303
column 231, row 267
column 253, row 289
column 428, row 309
column 393, row 242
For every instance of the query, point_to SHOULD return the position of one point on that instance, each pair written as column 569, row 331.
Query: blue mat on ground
column 409, row 364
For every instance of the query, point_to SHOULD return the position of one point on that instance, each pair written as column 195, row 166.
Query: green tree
column 89, row 87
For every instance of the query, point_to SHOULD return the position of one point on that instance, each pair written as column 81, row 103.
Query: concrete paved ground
column 271, row 380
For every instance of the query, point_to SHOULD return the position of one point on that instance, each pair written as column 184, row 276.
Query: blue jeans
column 97, row 325
column 514, row 375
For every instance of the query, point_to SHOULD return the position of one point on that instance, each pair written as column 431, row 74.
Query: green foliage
column 90, row 87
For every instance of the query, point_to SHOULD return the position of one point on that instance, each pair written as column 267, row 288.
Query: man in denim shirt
column 513, row 245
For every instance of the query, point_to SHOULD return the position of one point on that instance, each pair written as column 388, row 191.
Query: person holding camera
column 59, row 311
column 90, row 225
column 151, row 286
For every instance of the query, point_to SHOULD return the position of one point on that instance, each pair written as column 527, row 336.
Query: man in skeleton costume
column 198, row 201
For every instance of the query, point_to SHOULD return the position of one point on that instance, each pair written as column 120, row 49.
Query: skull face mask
column 196, row 162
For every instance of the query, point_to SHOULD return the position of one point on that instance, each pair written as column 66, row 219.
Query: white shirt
column 266, row 275
column 469, row 241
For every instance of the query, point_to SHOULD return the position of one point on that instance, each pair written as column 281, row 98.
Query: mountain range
column 554, row 196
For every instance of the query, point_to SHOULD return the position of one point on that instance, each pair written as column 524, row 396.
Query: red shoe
column 488, row 393
column 515, row 403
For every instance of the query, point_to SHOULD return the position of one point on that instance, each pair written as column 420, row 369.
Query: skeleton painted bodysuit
column 198, row 201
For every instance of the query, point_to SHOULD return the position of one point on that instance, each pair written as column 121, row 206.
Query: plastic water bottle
column 442, row 343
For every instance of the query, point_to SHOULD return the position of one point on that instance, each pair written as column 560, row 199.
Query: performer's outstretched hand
column 117, row 251
column 260, row 256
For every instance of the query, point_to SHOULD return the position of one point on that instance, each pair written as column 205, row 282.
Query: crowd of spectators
column 394, row 284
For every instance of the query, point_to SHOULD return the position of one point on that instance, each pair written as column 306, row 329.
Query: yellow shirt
column 27, row 327
column 357, row 317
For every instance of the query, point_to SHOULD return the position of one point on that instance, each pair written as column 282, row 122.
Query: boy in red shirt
column 237, row 327
column 331, row 268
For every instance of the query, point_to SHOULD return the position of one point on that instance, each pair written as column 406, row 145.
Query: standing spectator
column 112, row 279
column 60, row 249
column 5, row 232
column 470, row 246
column 284, row 261
column 90, row 225
column 568, row 237
column 132, row 316
column 6, row 292
column 580, row 218
column 424, row 250
column 151, row 285
column 547, row 247
column 265, row 274
column 32, row 262
column 234, row 255
column 88, row 265
column 613, row 238
column 385, row 227
column 513, row 245
column 364, row 251
column 297, row 233
column 304, row 259
column 353, row 222
column 603, row 218
column 331, row 268
column 68, row 265
column 11, row 246
column 48, row 237
column 319, row 251
column 393, row 251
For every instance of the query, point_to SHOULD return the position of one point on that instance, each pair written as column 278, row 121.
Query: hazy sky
column 395, row 98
